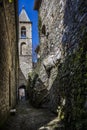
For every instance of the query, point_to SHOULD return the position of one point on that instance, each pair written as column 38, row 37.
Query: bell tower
column 25, row 46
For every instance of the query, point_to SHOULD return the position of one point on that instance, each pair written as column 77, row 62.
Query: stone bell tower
column 25, row 46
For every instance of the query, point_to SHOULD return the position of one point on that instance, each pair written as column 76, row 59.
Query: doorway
column 22, row 93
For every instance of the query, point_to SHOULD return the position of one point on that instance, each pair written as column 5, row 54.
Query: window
column 23, row 48
column 23, row 32
column 44, row 29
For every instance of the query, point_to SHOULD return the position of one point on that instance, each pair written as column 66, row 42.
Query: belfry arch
column 23, row 48
column 23, row 32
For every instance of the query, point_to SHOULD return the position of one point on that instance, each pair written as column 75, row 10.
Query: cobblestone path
column 28, row 118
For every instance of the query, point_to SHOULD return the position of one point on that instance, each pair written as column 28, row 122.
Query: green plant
column 10, row 1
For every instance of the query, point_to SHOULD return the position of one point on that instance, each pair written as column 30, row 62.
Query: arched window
column 23, row 32
column 23, row 48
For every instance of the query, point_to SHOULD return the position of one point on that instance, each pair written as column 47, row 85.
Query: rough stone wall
column 60, row 81
column 51, row 51
column 52, row 18
column 22, row 80
column 8, row 57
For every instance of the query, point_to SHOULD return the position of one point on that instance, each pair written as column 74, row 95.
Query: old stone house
column 8, row 57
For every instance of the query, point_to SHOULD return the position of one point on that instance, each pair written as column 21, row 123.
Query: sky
column 33, row 15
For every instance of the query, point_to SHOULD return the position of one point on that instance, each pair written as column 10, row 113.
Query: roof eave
column 37, row 4
column 25, row 22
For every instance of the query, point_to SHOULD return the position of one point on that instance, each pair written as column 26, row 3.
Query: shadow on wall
column 22, row 79
column 71, row 81
column 37, row 91
column 75, row 22
column 70, row 84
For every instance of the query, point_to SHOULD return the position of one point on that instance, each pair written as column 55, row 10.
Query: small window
column 44, row 29
column 23, row 32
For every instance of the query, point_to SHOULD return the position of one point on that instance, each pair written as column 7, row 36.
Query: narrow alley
column 28, row 118
column 43, row 64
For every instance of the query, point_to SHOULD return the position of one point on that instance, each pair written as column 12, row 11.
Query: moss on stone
column 72, row 85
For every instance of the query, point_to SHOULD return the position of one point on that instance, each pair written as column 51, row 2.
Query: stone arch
column 23, row 48
column 23, row 32
column 22, row 92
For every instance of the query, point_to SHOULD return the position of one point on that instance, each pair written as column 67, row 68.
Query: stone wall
column 51, row 50
column 8, row 57
column 59, row 81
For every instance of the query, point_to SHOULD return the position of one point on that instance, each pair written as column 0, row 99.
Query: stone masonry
column 25, row 47
column 60, row 80
column 8, row 57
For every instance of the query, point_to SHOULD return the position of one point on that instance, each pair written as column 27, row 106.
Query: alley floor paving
column 28, row 118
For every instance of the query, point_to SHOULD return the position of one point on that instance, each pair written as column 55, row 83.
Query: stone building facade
column 25, row 47
column 59, row 82
column 8, row 57
column 50, row 52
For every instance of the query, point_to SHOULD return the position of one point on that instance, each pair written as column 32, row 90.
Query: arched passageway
column 22, row 93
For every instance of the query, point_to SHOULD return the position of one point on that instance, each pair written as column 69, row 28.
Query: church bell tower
column 25, row 46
